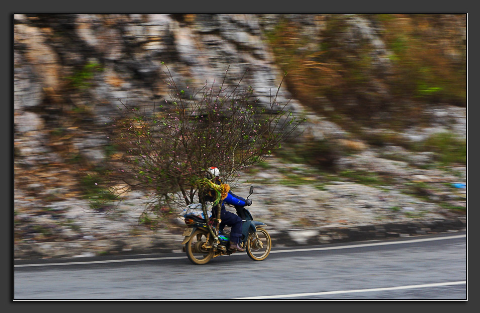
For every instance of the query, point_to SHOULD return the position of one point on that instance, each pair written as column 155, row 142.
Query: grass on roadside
column 363, row 177
column 448, row 147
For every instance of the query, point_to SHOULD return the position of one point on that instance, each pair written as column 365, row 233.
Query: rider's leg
column 235, row 222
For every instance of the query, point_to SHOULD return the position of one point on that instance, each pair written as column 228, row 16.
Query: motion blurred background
column 384, row 96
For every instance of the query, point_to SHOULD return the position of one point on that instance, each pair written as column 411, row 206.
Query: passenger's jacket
column 231, row 198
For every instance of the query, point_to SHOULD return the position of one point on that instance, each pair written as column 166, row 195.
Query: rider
column 229, row 218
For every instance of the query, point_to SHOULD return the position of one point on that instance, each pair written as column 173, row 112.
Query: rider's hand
column 248, row 202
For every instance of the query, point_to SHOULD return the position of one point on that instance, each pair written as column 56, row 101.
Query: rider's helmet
column 214, row 171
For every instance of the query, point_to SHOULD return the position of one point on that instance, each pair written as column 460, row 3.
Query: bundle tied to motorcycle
column 163, row 151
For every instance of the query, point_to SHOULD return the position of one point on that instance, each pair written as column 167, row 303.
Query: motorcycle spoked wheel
column 195, row 253
column 259, row 245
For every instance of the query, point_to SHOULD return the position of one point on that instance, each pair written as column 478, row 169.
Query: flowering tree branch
column 167, row 150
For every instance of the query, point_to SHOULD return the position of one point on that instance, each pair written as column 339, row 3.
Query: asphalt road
column 416, row 268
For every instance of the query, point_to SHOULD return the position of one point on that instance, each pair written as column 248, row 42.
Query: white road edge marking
column 371, row 244
column 453, row 283
column 275, row 251
column 102, row 262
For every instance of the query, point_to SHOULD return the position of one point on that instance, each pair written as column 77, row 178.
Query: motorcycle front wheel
column 259, row 245
column 198, row 250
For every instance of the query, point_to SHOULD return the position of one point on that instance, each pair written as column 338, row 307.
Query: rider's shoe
column 236, row 247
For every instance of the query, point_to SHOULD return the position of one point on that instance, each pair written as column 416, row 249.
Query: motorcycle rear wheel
column 259, row 245
column 196, row 252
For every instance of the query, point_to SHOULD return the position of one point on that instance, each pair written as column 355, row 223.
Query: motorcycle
column 203, row 241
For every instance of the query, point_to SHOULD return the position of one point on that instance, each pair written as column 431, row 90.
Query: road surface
column 414, row 268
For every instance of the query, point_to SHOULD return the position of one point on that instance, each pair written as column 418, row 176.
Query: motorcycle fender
column 254, row 224
column 192, row 230
column 258, row 223
column 188, row 235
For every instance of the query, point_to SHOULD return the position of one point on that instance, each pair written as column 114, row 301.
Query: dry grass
column 352, row 145
column 427, row 57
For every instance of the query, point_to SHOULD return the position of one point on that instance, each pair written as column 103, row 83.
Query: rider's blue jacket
column 233, row 200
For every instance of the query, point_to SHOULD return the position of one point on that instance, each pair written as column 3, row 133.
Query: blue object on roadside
column 459, row 185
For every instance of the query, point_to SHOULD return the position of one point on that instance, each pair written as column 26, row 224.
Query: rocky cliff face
column 71, row 72
column 88, row 64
